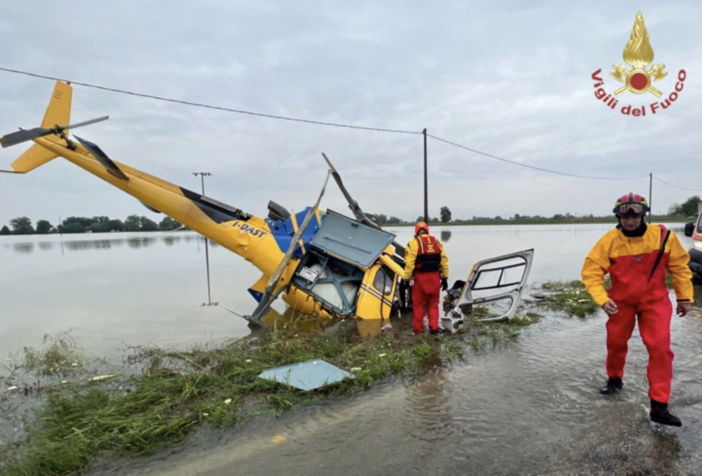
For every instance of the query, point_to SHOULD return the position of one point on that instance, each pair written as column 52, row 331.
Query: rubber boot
column 660, row 414
column 613, row 385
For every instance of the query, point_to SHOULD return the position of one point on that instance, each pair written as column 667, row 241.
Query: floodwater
column 113, row 290
column 528, row 407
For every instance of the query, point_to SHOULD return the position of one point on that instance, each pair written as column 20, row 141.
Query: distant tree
column 132, row 223
column 419, row 218
column 381, row 219
column 675, row 209
column 72, row 227
column 394, row 221
column 498, row 217
column 116, row 225
column 44, row 227
column 689, row 206
column 169, row 223
column 21, row 226
column 445, row 215
column 85, row 222
column 75, row 225
column 5, row 230
column 147, row 224
column 99, row 224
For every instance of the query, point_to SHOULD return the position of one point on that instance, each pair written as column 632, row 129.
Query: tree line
column 23, row 225
column 686, row 210
column 102, row 224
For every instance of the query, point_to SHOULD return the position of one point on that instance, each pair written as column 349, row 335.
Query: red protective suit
column 638, row 293
column 426, row 260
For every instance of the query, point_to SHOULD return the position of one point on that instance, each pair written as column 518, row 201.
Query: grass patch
column 176, row 392
column 569, row 297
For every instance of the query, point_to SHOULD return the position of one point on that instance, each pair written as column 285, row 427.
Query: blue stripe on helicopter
column 256, row 295
column 283, row 231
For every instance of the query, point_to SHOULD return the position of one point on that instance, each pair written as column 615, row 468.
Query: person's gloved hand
column 444, row 283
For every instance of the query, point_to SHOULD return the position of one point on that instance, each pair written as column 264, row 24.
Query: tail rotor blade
column 85, row 123
column 18, row 137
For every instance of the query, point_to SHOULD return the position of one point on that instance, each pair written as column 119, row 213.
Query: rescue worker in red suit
column 636, row 256
column 426, row 261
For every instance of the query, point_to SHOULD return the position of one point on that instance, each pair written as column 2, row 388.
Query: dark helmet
column 631, row 205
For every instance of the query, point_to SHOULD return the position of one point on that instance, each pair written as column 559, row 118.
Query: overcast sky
column 511, row 79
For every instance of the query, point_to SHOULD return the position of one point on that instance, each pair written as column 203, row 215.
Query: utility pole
column 426, row 181
column 650, row 197
column 207, row 249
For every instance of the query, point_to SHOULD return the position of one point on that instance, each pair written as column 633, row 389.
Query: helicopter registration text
column 249, row 229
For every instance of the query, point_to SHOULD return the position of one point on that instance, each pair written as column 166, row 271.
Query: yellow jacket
column 629, row 262
column 411, row 252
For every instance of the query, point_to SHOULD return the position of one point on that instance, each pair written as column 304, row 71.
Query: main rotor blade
column 356, row 208
column 18, row 137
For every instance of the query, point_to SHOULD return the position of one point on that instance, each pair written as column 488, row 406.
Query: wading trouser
column 654, row 327
column 425, row 294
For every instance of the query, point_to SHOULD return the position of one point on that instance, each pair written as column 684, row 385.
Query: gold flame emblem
column 638, row 54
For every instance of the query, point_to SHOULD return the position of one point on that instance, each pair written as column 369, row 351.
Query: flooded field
column 529, row 406
column 121, row 289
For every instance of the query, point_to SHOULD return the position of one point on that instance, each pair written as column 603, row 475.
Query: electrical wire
column 209, row 106
column 331, row 124
column 533, row 167
column 676, row 186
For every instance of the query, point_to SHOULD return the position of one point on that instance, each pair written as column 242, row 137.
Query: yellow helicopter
column 322, row 263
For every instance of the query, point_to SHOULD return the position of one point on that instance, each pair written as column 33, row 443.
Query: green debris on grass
column 175, row 392
column 572, row 298
column 569, row 297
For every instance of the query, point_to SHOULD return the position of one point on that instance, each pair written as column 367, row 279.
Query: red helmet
column 630, row 204
column 421, row 226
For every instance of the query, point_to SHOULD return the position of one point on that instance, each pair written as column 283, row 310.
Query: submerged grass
column 177, row 392
column 569, row 297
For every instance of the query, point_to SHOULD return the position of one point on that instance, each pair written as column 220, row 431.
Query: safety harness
column 665, row 234
column 428, row 254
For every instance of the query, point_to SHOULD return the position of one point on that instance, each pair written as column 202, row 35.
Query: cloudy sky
column 508, row 78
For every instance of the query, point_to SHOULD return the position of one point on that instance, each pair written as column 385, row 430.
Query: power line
column 541, row 169
column 209, row 106
column 676, row 186
column 322, row 123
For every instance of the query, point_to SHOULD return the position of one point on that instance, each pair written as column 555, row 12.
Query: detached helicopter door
column 497, row 283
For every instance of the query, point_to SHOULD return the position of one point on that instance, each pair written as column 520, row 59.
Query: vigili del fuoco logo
column 638, row 54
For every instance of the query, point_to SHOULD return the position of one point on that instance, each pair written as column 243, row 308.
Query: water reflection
column 71, row 243
column 665, row 452
column 294, row 322
column 23, row 248
column 92, row 245
column 370, row 327
column 445, row 236
column 429, row 408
